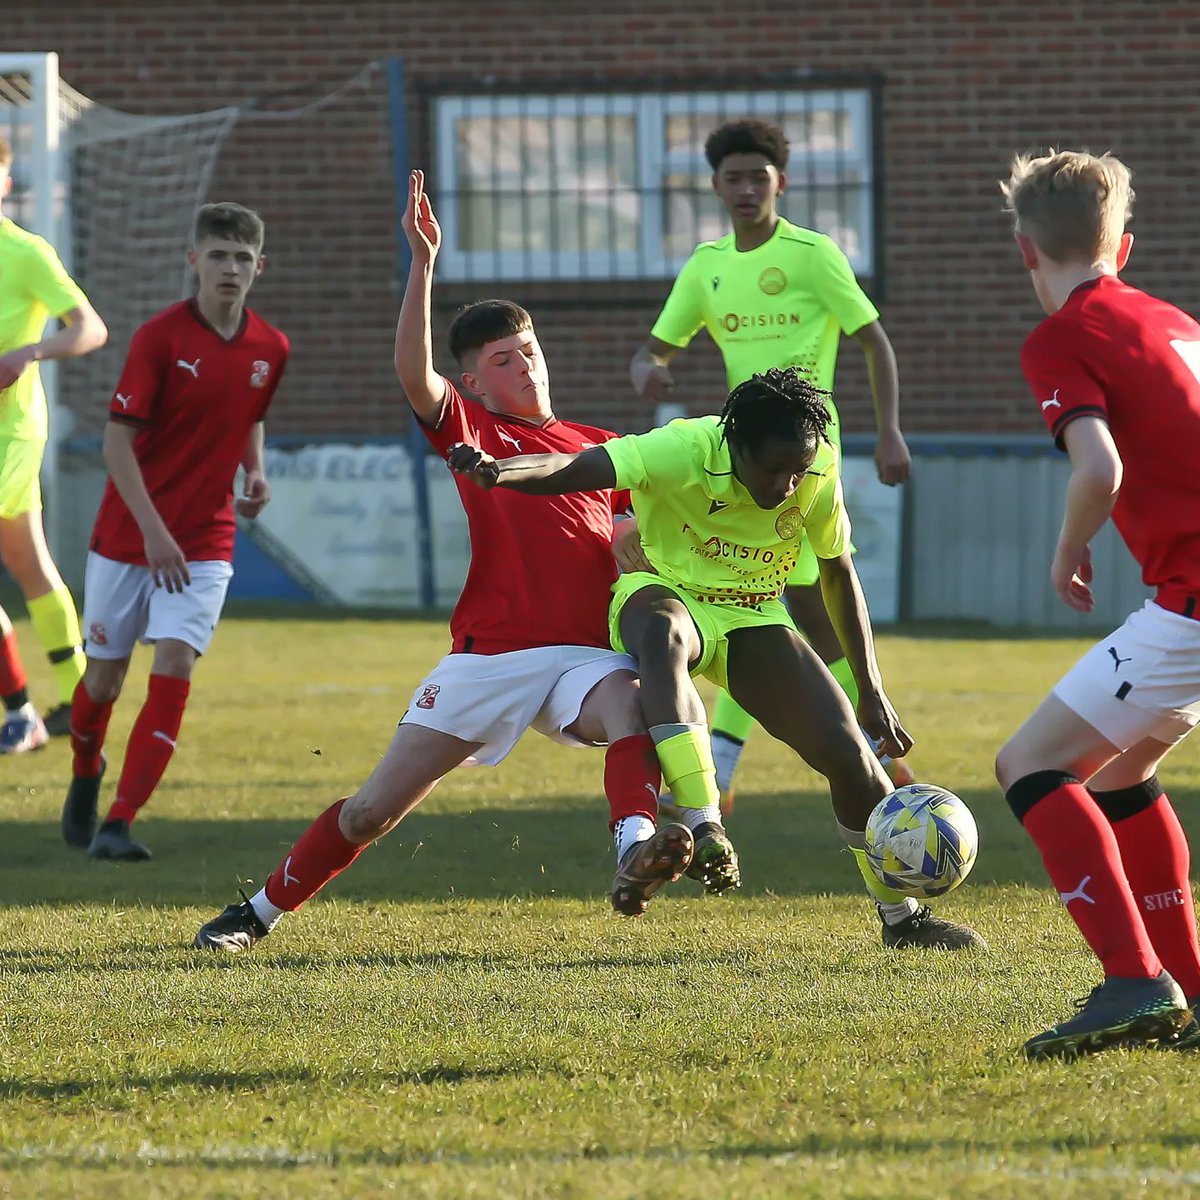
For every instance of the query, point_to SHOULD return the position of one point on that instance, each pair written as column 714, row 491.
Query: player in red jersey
column 530, row 630
column 187, row 410
column 1116, row 374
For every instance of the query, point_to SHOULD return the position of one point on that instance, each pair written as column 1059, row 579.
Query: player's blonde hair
column 1074, row 205
column 5, row 155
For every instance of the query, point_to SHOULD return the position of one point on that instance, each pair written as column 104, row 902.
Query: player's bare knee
column 666, row 635
column 104, row 678
column 172, row 657
column 363, row 818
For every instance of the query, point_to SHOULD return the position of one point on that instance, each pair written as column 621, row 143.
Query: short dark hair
column 781, row 404
column 231, row 223
column 749, row 135
column 475, row 325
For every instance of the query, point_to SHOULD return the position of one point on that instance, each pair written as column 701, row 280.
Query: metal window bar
column 508, row 222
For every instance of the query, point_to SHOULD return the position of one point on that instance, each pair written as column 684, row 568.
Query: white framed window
column 593, row 187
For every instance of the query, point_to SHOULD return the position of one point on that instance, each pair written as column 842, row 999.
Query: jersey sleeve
column 835, row 286
column 285, row 350
column 656, row 461
column 682, row 315
column 1055, row 366
column 136, row 395
column 826, row 522
column 48, row 281
column 459, row 423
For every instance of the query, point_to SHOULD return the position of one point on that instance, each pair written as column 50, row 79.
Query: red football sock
column 13, row 680
column 1157, row 861
column 151, row 744
column 321, row 853
column 632, row 778
column 1084, row 863
column 89, row 723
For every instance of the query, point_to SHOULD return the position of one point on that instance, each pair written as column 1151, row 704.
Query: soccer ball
column 922, row 840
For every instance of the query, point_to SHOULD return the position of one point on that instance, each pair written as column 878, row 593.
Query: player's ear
column 782, row 183
column 1029, row 254
column 471, row 383
column 193, row 257
column 260, row 266
column 1124, row 250
column 6, row 186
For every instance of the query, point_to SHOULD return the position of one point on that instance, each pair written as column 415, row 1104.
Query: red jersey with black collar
column 1115, row 353
column 541, row 566
column 194, row 397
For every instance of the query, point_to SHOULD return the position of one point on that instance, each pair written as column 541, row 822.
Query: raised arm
column 536, row 474
column 424, row 387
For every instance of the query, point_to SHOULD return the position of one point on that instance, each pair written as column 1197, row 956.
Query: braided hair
column 781, row 404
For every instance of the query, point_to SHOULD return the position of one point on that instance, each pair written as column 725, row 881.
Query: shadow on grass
column 242, row 1081
column 788, row 847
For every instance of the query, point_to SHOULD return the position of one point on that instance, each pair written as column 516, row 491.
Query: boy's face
column 773, row 471
column 225, row 269
column 510, row 375
column 749, row 186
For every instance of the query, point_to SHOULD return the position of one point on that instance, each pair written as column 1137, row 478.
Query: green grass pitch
column 461, row 1015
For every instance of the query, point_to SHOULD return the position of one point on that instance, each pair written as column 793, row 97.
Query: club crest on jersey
column 97, row 634
column 428, row 697
column 772, row 281
column 789, row 523
column 259, row 372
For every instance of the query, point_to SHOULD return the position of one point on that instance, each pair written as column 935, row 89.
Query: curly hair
column 781, row 404
column 750, row 135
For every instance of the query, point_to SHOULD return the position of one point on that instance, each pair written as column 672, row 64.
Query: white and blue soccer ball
column 922, row 840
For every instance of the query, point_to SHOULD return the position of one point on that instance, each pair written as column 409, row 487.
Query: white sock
column 725, row 751
column 264, row 910
column 893, row 914
column 695, row 817
column 629, row 831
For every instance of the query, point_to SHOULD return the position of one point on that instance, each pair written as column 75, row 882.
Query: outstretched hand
column 467, row 460
column 878, row 718
column 419, row 224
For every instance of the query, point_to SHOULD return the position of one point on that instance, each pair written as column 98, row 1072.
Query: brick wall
column 966, row 82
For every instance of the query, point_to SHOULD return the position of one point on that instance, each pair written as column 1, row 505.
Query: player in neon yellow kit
column 34, row 287
column 721, row 505
column 772, row 294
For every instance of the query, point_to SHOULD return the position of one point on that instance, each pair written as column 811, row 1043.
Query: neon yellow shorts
column 20, row 488
column 714, row 622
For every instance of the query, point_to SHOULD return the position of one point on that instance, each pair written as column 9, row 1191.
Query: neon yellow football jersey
column 700, row 528
column 784, row 304
column 34, row 286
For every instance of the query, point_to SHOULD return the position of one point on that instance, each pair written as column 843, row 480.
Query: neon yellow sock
column 730, row 718
column 687, row 767
column 877, row 888
column 56, row 624
column 840, row 670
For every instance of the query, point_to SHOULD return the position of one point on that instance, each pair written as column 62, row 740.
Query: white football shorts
column 121, row 606
column 1142, row 681
column 494, row 698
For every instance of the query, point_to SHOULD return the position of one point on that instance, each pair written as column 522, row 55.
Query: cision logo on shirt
column 734, row 322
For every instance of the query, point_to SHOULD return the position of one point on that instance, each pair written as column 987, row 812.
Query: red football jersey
column 541, row 566
column 194, row 398
column 1116, row 353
